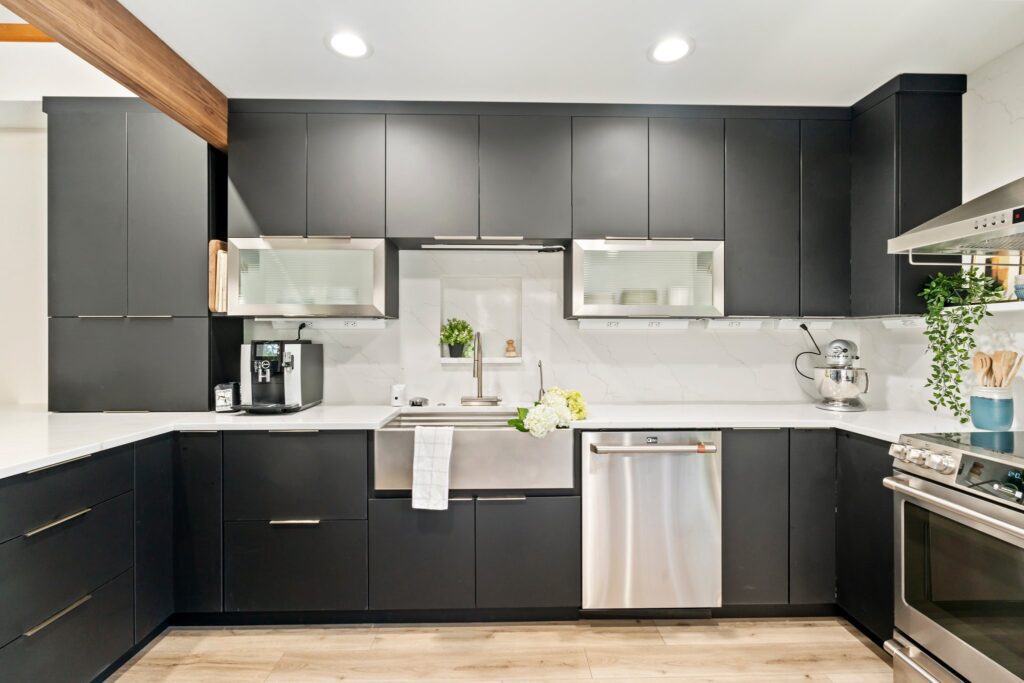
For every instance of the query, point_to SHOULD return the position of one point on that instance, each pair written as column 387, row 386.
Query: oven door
column 960, row 578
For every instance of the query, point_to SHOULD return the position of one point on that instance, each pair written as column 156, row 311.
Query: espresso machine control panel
column 267, row 360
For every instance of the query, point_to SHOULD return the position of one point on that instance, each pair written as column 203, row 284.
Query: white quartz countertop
column 30, row 439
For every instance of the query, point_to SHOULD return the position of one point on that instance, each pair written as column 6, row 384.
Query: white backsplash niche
column 695, row 365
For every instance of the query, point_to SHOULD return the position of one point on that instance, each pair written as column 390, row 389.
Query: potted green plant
column 457, row 334
column 957, row 303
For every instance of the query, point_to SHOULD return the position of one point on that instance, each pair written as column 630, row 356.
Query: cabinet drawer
column 84, row 637
column 42, row 573
column 294, row 567
column 28, row 501
column 289, row 475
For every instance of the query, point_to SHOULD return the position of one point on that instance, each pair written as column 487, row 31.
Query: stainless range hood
column 984, row 226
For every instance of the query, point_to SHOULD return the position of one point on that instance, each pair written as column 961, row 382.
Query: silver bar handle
column 900, row 485
column 294, row 522
column 510, row 238
column 463, row 499
column 58, row 464
column 640, row 450
column 57, row 522
column 456, row 237
column 893, row 648
column 151, row 316
column 100, row 316
column 491, row 499
column 346, row 238
column 64, row 612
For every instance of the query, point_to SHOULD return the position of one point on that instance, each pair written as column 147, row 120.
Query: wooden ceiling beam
column 22, row 33
column 108, row 36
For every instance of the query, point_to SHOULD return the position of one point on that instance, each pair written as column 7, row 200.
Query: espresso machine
column 839, row 381
column 281, row 376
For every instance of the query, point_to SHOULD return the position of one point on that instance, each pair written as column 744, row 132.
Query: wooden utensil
column 981, row 364
column 1019, row 358
column 1006, row 365
column 997, row 369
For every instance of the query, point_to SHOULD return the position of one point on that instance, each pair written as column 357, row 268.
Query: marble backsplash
column 694, row 365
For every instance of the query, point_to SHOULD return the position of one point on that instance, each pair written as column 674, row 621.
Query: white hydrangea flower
column 541, row 420
column 556, row 401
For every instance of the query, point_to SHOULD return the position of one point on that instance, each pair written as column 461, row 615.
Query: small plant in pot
column 957, row 303
column 457, row 334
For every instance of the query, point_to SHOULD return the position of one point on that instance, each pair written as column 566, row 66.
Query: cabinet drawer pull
column 150, row 316
column 58, row 464
column 510, row 238
column 64, row 612
column 56, row 522
column 293, row 431
column 294, row 522
column 504, row 498
column 97, row 317
column 456, row 237
column 460, row 500
column 347, row 238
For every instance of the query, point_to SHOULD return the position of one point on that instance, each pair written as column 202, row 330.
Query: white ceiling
column 811, row 52
column 28, row 71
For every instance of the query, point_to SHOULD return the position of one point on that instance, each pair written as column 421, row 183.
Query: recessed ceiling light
column 670, row 50
column 350, row 45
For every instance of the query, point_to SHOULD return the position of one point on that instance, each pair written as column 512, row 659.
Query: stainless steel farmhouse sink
column 487, row 454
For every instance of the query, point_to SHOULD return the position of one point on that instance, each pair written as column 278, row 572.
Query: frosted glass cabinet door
column 307, row 277
column 641, row 278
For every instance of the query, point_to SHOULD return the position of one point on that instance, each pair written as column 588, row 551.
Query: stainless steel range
column 959, row 535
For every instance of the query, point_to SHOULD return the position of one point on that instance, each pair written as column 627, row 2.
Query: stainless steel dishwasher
column 652, row 520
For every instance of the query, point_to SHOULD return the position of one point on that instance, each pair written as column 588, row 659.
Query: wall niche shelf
column 493, row 306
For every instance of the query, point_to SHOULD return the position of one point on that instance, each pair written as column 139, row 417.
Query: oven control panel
column 993, row 478
column 940, row 461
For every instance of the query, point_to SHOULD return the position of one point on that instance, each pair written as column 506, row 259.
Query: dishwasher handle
column 653, row 449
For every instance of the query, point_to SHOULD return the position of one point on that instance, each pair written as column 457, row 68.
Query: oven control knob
column 917, row 456
column 943, row 464
column 898, row 451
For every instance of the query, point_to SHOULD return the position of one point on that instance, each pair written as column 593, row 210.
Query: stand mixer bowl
column 841, row 388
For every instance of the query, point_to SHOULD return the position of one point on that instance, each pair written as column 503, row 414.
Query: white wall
column 994, row 124
column 23, row 269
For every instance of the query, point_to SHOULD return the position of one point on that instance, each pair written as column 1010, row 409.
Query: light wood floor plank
column 714, row 632
column 516, row 635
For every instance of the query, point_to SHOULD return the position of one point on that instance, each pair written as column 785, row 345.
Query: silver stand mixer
column 839, row 382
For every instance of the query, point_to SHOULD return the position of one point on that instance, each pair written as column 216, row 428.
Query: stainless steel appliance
column 478, row 374
column 986, row 225
column 295, row 276
column 652, row 520
column 486, row 453
column 839, row 382
column 623, row 278
column 281, row 376
column 959, row 563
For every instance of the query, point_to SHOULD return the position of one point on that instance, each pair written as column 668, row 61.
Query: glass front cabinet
column 306, row 277
column 645, row 279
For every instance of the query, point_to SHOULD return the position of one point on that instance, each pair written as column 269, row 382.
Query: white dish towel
column 432, row 454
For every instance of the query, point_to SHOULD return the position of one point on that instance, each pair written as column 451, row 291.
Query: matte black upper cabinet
column 762, row 217
column 168, row 219
column 345, row 175
column 687, row 183
column 906, row 161
column 609, row 177
column 266, row 174
column 87, row 213
column 825, row 217
column 864, row 533
column 432, row 176
column 526, row 176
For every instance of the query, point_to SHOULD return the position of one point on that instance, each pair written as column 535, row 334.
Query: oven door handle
column 900, row 485
column 894, row 649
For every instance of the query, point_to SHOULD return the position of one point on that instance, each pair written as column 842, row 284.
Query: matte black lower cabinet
column 755, row 517
column 528, row 552
column 154, row 533
column 864, row 527
column 80, row 644
column 421, row 559
column 812, row 516
column 295, row 567
column 198, row 523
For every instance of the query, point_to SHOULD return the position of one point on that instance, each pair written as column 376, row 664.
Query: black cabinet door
column 762, row 217
column 129, row 364
column 297, row 567
column 687, row 188
column 609, row 177
column 345, row 192
column 421, row 559
column 755, row 517
column 167, row 218
column 282, row 475
column 864, row 530
column 87, row 199
column 198, row 524
column 154, row 533
column 267, row 175
column 825, row 218
column 812, row 516
column 528, row 552
column 526, row 176
column 873, row 210
column 432, row 176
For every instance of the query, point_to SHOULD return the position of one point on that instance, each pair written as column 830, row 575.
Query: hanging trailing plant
column 957, row 303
